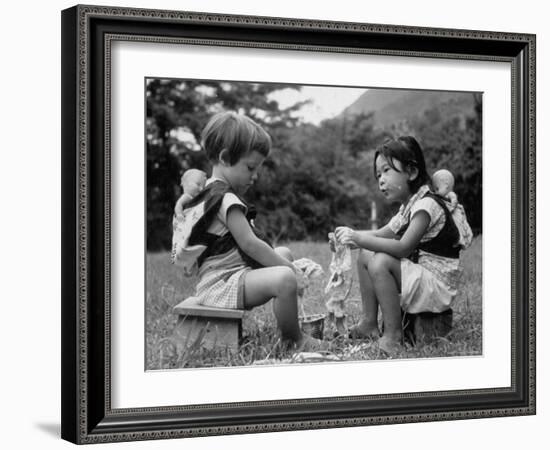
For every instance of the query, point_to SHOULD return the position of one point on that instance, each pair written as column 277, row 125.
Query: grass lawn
column 261, row 345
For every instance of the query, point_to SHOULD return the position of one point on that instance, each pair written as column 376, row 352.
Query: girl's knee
column 364, row 257
column 380, row 263
column 284, row 252
column 285, row 281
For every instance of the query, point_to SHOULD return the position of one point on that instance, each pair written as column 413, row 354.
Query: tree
column 177, row 111
column 454, row 143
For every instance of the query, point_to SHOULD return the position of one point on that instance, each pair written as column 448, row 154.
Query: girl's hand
column 346, row 236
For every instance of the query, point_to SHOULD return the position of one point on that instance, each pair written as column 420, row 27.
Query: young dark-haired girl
column 412, row 263
column 216, row 236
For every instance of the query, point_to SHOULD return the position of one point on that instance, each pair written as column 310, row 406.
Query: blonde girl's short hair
column 236, row 133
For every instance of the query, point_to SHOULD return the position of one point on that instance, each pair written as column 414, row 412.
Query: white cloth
column 183, row 254
column 422, row 290
column 309, row 268
column 339, row 283
column 459, row 216
column 306, row 269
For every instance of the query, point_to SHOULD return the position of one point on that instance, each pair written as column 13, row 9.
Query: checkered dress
column 221, row 282
column 222, row 266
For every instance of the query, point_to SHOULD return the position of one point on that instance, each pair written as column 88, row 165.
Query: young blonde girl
column 412, row 263
column 237, row 267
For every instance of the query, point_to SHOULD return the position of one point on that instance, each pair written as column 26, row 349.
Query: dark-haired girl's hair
column 236, row 133
column 408, row 152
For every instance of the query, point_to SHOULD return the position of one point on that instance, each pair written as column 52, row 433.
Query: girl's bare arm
column 397, row 248
column 250, row 244
column 384, row 232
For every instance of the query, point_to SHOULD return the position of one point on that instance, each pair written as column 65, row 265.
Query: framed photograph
column 282, row 224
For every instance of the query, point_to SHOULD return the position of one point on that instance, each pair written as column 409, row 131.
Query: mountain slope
column 395, row 105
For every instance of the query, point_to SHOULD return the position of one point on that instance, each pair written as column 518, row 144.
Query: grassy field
column 261, row 345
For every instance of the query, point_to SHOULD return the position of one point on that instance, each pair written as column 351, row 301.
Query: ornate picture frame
column 88, row 33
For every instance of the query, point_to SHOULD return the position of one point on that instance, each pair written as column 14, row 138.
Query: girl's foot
column 339, row 327
column 310, row 344
column 364, row 331
column 389, row 345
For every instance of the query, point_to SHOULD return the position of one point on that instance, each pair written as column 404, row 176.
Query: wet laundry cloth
column 339, row 283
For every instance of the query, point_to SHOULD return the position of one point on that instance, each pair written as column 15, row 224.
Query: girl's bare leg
column 279, row 283
column 385, row 273
column 368, row 325
column 287, row 254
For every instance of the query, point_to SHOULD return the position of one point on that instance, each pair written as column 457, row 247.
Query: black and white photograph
column 291, row 224
column 274, row 223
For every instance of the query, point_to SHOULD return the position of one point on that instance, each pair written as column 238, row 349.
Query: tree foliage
column 456, row 145
column 177, row 111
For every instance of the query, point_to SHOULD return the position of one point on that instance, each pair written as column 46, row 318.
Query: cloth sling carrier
column 445, row 243
column 191, row 241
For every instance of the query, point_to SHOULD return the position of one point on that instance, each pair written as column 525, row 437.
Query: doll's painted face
column 443, row 182
column 193, row 182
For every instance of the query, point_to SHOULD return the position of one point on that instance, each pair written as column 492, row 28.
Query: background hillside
column 392, row 106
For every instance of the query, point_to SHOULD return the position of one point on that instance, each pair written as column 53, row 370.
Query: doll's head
column 193, row 181
column 443, row 182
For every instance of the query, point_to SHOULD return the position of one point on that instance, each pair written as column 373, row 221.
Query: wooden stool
column 427, row 325
column 208, row 327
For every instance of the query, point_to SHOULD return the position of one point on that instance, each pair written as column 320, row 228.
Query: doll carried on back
column 183, row 253
column 443, row 183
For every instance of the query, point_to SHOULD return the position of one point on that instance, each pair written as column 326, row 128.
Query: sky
column 326, row 101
